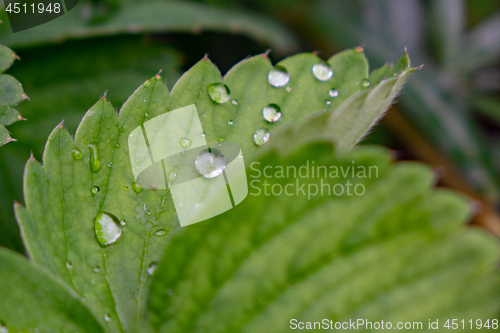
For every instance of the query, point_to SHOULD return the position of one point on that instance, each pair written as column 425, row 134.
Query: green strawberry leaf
column 52, row 305
column 398, row 252
column 90, row 223
column 11, row 93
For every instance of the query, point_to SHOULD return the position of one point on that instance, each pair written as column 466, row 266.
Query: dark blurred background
column 448, row 115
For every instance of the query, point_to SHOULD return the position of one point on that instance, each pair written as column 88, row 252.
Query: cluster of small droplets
column 278, row 77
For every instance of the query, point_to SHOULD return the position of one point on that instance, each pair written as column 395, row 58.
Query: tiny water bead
column 185, row 142
column 328, row 102
column 365, row 83
column 288, row 89
column 278, row 76
column 107, row 317
column 234, row 102
column 117, row 145
column 261, row 136
column 210, row 164
column 322, row 71
column 110, row 165
column 137, row 187
column 125, row 188
column 94, row 161
column 333, row 93
column 122, row 222
column 107, row 228
column 160, row 232
column 230, row 122
column 96, row 268
column 95, row 189
column 271, row 113
column 69, row 264
column 152, row 268
column 76, row 153
column 218, row 92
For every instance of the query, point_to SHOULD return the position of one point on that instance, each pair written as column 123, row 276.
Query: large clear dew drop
column 107, row 228
column 271, row 113
column 210, row 164
column 261, row 136
column 218, row 92
column 322, row 71
column 278, row 76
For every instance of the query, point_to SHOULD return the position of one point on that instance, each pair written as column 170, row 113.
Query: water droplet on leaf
column 152, row 268
column 210, row 164
column 117, row 145
column 137, row 187
column 107, row 228
column 333, row 93
column 107, row 317
column 322, row 71
column 261, row 136
column 230, row 122
column 185, row 142
column 95, row 162
column 160, row 232
column 96, row 268
column 288, row 89
column 95, row 189
column 271, row 113
column 68, row 264
column 365, row 83
column 122, row 222
column 278, row 76
column 328, row 102
column 234, row 102
column 76, row 153
column 218, row 92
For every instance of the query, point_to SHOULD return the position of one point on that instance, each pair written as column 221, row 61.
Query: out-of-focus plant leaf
column 32, row 300
column 155, row 16
column 65, row 195
column 481, row 46
column 447, row 24
column 399, row 251
column 11, row 93
column 488, row 106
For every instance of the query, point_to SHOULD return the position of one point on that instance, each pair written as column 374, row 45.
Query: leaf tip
column 61, row 124
column 359, row 48
column 266, row 54
column 16, row 204
column 158, row 76
column 32, row 157
column 25, row 97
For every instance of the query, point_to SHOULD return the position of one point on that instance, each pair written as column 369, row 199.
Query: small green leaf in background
column 68, row 199
column 11, row 93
